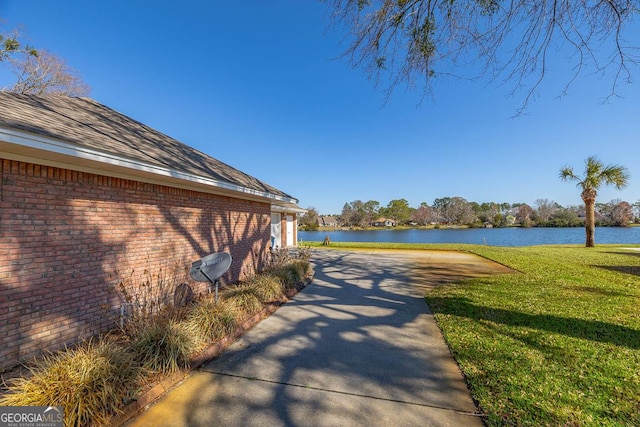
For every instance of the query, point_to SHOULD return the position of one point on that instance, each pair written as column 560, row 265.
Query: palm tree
column 595, row 174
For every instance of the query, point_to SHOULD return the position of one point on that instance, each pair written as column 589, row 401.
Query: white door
column 290, row 241
column 276, row 231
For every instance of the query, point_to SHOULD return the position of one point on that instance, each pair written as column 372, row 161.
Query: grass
column 164, row 346
column 245, row 298
column 209, row 321
column 392, row 245
column 292, row 273
column 269, row 287
column 91, row 382
column 556, row 344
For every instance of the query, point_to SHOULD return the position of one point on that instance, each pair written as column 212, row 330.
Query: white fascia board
column 27, row 147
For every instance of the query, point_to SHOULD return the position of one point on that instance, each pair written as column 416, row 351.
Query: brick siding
column 68, row 239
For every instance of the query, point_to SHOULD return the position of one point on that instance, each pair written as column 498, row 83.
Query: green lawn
column 557, row 343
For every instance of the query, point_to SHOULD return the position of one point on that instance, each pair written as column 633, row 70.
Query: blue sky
column 260, row 85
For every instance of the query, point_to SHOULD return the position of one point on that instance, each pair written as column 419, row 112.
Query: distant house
column 384, row 222
column 327, row 221
column 90, row 198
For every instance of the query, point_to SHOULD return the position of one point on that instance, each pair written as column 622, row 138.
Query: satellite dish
column 210, row 268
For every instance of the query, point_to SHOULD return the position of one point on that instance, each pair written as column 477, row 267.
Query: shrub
column 91, row 381
column 164, row 345
column 268, row 287
column 302, row 269
column 210, row 320
column 293, row 272
column 281, row 257
column 245, row 297
column 290, row 267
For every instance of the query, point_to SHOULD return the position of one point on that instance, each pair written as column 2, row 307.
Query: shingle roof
column 89, row 124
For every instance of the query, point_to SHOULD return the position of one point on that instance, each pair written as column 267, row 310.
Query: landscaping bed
column 108, row 379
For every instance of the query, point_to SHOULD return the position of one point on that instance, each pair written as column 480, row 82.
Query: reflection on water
column 481, row 236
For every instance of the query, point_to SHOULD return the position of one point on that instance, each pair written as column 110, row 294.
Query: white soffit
column 291, row 208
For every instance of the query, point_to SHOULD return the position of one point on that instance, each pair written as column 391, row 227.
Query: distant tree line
column 457, row 211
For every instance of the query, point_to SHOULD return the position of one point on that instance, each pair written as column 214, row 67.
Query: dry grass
column 209, row 321
column 292, row 273
column 92, row 382
column 269, row 287
column 245, row 298
column 164, row 346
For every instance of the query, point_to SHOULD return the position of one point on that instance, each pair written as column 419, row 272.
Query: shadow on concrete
column 357, row 347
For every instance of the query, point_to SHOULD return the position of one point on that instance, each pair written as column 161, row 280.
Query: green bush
column 164, row 345
column 302, row 269
column 91, row 381
column 290, row 266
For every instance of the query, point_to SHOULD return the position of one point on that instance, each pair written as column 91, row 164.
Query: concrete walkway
column 357, row 347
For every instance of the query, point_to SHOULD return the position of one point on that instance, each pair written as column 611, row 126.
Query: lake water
column 481, row 236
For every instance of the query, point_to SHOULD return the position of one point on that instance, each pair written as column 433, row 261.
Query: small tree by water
column 595, row 174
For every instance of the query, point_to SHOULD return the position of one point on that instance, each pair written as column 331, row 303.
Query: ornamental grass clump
column 91, row 381
column 209, row 321
column 164, row 345
column 293, row 272
column 291, row 267
column 269, row 287
column 245, row 298
column 302, row 269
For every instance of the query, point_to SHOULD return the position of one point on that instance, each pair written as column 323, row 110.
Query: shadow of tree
column 627, row 269
column 361, row 332
column 239, row 231
column 338, row 334
column 89, row 124
column 627, row 253
column 592, row 330
column 57, row 290
column 64, row 258
column 603, row 292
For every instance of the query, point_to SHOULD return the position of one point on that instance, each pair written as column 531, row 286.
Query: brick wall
column 68, row 238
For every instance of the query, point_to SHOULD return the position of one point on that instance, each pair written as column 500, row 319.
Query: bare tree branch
column 45, row 74
column 509, row 41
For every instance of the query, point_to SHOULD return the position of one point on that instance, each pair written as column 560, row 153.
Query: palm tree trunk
column 590, row 217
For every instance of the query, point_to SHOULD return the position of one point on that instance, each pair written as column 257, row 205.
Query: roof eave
column 32, row 148
column 287, row 208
